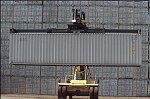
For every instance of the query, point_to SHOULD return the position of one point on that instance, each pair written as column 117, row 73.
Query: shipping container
column 33, row 71
column 18, row 84
column 5, row 84
column 18, row 70
column 140, row 88
column 95, row 49
column 125, row 87
column 48, row 86
column 33, row 85
column 62, row 71
column 141, row 72
column 96, row 71
column 108, row 87
column 48, row 71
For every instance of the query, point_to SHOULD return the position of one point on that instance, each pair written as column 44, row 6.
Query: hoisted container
column 74, row 49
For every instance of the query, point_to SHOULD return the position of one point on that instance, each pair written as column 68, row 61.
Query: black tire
column 64, row 92
column 91, row 92
column 70, row 96
column 60, row 92
column 95, row 93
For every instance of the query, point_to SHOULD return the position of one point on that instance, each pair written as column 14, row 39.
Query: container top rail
column 96, row 30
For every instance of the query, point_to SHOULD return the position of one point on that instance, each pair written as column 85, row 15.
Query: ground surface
column 15, row 96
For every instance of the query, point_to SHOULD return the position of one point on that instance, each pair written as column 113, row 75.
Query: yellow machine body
column 78, row 86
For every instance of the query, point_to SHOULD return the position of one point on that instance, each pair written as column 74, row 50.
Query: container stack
column 114, row 81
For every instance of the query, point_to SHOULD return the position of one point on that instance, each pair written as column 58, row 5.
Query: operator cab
column 80, row 73
column 78, row 21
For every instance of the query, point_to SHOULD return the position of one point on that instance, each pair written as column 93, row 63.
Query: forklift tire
column 59, row 92
column 95, row 92
column 91, row 92
column 62, row 92
column 70, row 96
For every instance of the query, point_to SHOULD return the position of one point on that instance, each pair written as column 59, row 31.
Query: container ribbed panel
column 103, row 49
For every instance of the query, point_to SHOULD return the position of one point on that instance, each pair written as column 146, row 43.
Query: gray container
column 33, row 85
column 63, row 71
column 5, row 84
column 109, row 72
column 140, row 88
column 48, row 71
column 141, row 72
column 124, row 87
column 96, row 71
column 125, row 72
column 33, row 71
column 95, row 49
column 48, row 86
column 18, row 70
column 18, row 85
column 108, row 87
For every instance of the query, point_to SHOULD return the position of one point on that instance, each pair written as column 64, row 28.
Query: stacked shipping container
column 114, row 81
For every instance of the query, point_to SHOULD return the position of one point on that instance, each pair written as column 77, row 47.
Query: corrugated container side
column 30, row 13
column 32, row 71
column 145, row 52
column 29, row 85
column 62, row 71
column 20, row 2
column 20, row 13
column 46, row 2
column 5, row 68
column 36, row 85
column 34, row 25
column 13, row 85
column 124, row 87
column 33, row 85
column 20, row 25
column 141, row 72
column 110, row 14
column 109, row 72
column 48, row 86
column 39, row 2
column 50, row 14
column 108, row 87
column 21, row 81
column 75, row 49
column 7, row 14
column 5, row 84
column 48, row 71
column 140, row 88
column 18, row 70
column 96, row 71
column 17, row 85
column 126, row 72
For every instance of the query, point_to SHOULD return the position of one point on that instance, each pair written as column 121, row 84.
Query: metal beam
column 75, row 64
column 97, row 30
